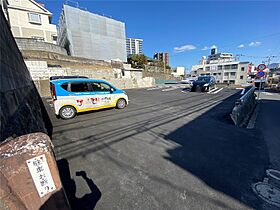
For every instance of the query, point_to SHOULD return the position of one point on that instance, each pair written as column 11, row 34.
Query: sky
column 188, row 29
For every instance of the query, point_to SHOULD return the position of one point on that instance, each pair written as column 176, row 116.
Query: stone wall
column 33, row 44
column 126, row 79
column 64, row 60
column 21, row 109
column 159, row 76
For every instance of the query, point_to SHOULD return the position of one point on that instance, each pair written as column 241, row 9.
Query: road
column 167, row 150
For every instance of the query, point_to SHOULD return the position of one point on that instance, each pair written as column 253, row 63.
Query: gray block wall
column 21, row 109
column 32, row 44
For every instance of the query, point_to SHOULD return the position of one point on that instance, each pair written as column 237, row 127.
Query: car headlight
column 205, row 85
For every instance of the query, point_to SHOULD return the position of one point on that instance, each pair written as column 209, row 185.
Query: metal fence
column 243, row 108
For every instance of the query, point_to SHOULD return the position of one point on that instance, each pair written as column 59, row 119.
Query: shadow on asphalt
column 88, row 201
column 227, row 158
column 96, row 142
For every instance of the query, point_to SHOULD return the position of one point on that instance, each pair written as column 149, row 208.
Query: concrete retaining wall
column 22, row 110
column 159, row 76
column 41, row 73
column 64, row 60
column 33, row 44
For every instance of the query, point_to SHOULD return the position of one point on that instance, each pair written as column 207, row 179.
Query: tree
column 137, row 61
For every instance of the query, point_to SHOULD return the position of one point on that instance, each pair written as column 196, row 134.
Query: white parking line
column 212, row 90
column 217, row 91
column 154, row 88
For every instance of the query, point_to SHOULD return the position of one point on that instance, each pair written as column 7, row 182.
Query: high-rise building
column 89, row 35
column 29, row 19
column 163, row 56
column 134, row 46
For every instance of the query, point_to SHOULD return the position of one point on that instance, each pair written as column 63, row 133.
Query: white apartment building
column 224, row 67
column 178, row 71
column 134, row 46
column 29, row 19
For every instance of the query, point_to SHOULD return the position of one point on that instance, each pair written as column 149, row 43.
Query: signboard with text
column 41, row 175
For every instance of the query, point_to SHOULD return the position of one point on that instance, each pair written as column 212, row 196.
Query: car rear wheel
column 121, row 103
column 67, row 112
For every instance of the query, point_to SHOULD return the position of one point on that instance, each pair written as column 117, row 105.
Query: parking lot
column 169, row 149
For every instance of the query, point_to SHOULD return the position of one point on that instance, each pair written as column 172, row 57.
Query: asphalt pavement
column 168, row 149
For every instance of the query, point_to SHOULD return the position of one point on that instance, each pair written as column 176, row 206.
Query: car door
column 102, row 94
column 80, row 92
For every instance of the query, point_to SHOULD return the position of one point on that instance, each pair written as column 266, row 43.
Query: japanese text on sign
column 41, row 175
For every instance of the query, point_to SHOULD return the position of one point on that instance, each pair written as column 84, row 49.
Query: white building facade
column 178, row 72
column 29, row 19
column 224, row 67
column 134, row 46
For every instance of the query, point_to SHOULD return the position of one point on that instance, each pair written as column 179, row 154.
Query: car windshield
column 204, row 79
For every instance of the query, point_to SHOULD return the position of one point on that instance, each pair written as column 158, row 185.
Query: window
column 225, row 74
column 220, row 67
column 207, row 68
column 79, row 87
column 241, row 77
column 232, row 73
column 54, row 38
column 65, row 86
column 97, row 87
column 38, row 38
column 34, row 18
column 227, row 66
column 242, row 68
column 234, row 66
column 105, row 87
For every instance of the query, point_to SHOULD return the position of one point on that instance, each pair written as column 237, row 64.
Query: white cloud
column 205, row 48
column 241, row 46
column 255, row 44
column 184, row 48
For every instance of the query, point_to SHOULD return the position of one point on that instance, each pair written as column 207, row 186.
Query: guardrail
column 244, row 107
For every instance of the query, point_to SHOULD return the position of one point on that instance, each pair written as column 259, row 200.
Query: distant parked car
column 72, row 96
column 204, row 83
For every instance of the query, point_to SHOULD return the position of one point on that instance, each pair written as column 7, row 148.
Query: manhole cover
column 268, row 193
column 273, row 177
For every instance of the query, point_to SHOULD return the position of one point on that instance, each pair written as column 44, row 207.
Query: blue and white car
column 72, row 96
